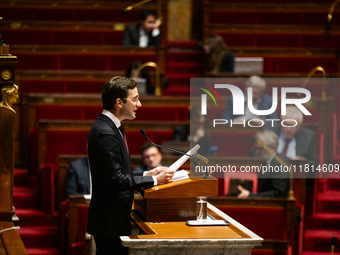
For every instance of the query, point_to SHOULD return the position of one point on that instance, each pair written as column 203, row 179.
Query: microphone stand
column 196, row 157
column 291, row 192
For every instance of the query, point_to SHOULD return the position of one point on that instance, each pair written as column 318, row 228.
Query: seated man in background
column 296, row 142
column 145, row 33
column 270, row 183
column 151, row 158
column 261, row 101
column 78, row 180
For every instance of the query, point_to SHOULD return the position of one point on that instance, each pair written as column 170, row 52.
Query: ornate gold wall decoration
column 9, row 96
column 6, row 75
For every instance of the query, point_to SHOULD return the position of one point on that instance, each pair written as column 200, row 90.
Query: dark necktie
column 285, row 148
column 121, row 128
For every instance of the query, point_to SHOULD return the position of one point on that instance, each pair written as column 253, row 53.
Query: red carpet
column 38, row 230
column 325, row 222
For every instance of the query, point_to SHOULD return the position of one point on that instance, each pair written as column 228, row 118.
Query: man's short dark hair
column 117, row 87
column 145, row 147
column 145, row 13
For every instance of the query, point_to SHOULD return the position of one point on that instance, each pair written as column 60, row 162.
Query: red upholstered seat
column 269, row 223
column 58, row 112
column 47, row 188
column 65, row 142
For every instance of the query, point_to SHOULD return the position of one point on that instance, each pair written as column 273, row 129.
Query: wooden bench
column 27, row 108
column 107, row 11
column 58, row 137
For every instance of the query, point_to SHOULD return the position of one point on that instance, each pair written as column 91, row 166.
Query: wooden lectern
column 174, row 201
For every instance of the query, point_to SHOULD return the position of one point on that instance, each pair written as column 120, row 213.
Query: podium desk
column 165, row 238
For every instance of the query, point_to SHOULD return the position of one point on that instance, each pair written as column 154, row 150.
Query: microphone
column 197, row 157
column 333, row 243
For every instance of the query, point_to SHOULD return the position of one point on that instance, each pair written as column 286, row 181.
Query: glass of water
column 201, row 208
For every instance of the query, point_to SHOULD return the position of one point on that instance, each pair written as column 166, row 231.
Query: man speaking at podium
column 112, row 179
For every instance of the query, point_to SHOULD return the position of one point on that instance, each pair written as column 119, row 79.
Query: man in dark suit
column 145, row 33
column 296, row 142
column 271, row 182
column 261, row 101
column 112, row 179
column 78, row 177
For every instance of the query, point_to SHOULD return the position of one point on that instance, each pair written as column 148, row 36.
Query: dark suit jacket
column 112, row 181
column 273, row 184
column 305, row 145
column 78, row 177
column 265, row 104
column 131, row 37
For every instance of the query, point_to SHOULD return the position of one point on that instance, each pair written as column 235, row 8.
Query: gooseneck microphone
column 197, row 157
column 167, row 148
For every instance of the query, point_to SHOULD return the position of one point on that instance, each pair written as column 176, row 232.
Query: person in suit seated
column 151, row 158
column 219, row 59
column 195, row 133
column 113, row 180
column 297, row 142
column 270, row 183
column 261, row 101
column 78, row 179
column 145, row 33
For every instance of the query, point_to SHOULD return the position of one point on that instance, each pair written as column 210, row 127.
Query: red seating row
column 75, row 142
column 98, row 62
column 269, row 17
column 101, row 62
column 61, row 37
column 60, row 86
column 83, row 112
column 281, row 40
column 108, row 14
column 272, row 218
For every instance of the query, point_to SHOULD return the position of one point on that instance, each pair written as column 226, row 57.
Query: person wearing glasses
column 112, row 178
column 151, row 158
column 274, row 182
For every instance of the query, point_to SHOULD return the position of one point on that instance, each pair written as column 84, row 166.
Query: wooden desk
column 174, row 237
column 281, row 203
column 10, row 242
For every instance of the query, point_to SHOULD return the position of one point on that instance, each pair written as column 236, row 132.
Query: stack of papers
column 180, row 175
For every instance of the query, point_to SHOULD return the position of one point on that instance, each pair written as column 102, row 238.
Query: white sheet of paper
column 177, row 164
column 180, row 175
